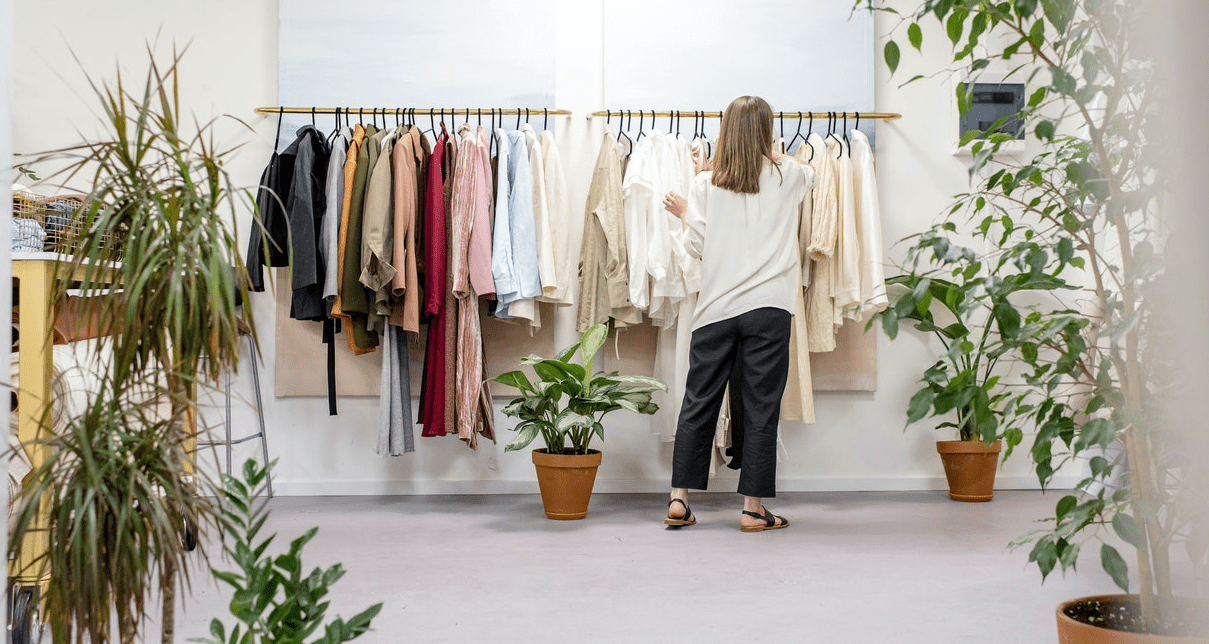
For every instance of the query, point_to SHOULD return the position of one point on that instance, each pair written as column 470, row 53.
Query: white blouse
column 748, row 243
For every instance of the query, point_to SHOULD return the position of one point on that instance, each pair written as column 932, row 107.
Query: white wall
column 858, row 442
column 6, row 201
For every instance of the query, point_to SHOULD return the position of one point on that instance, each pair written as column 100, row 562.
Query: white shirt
column 869, row 228
column 748, row 243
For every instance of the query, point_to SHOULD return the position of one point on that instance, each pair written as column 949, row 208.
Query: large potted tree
column 1095, row 372
column 565, row 404
column 119, row 499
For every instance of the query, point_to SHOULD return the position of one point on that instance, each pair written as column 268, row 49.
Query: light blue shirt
column 516, row 271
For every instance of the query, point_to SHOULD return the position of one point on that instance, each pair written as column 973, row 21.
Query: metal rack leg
column 264, row 435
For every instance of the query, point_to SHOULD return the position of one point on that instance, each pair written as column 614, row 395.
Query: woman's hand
column 675, row 204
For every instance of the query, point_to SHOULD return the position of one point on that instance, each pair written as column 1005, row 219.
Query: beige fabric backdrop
column 300, row 362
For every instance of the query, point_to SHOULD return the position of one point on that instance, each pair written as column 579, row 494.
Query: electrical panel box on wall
column 990, row 102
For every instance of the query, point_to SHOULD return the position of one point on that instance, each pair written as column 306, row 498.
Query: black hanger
column 518, row 118
column 641, row 125
column 277, row 138
column 796, row 135
column 835, row 123
column 676, row 115
column 313, row 123
column 623, row 127
column 526, row 116
column 545, row 119
column 846, row 140
column 858, row 122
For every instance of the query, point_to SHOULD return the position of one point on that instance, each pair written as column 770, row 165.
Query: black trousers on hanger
column 756, row 345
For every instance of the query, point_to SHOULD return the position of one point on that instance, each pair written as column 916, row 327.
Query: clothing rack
column 880, row 116
column 413, row 111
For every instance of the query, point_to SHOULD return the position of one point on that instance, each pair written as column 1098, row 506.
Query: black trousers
column 756, row 346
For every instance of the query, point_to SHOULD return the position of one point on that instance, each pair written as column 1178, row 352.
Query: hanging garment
column 354, row 301
column 304, row 204
column 824, row 226
column 333, row 203
column 377, row 236
column 869, row 227
column 471, row 207
column 394, row 404
column 639, row 201
column 269, row 240
column 522, row 232
column 681, row 281
column 668, row 281
column 559, row 205
column 700, row 154
column 797, row 403
column 342, row 248
column 410, row 155
column 449, row 322
column 546, row 271
column 603, row 265
column 845, row 274
column 432, row 396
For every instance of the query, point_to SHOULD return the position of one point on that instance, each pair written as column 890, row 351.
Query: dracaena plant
column 158, row 221
column 1094, row 369
column 567, row 401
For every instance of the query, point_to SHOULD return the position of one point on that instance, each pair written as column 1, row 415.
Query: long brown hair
column 744, row 141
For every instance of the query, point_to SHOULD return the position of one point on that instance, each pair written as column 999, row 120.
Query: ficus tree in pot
column 949, row 292
column 1092, row 375
column 121, row 484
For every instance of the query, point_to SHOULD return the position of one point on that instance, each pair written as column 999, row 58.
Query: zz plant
column 566, row 403
column 1094, row 372
column 275, row 600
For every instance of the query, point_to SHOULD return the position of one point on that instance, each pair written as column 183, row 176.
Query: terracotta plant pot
column 1072, row 631
column 970, row 468
column 566, row 482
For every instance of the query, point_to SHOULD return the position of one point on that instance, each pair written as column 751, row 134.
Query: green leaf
column 1035, row 99
column 1115, row 566
column 915, row 35
column 1025, row 8
column 1036, row 35
column 1007, row 317
column 1045, row 131
column 920, row 405
column 647, row 381
column 1129, row 530
column 1097, row 431
column 954, row 26
column 1059, row 13
column 1065, row 504
column 527, row 432
column 516, row 379
column 591, row 342
column 891, row 55
column 565, row 354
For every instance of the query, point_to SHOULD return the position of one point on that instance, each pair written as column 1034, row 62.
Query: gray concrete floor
column 853, row 567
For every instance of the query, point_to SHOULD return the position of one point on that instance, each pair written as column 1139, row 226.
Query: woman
column 741, row 220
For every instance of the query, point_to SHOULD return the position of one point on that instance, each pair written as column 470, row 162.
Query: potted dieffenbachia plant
column 565, row 403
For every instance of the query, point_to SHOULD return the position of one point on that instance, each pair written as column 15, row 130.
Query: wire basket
column 62, row 220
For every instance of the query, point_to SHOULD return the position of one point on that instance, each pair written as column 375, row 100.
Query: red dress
column 432, row 387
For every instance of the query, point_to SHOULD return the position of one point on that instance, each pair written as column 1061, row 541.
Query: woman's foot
column 760, row 521
column 679, row 514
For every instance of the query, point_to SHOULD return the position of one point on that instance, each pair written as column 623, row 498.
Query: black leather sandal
column 770, row 521
column 685, row 519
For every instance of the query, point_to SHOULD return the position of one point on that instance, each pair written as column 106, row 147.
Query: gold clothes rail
column 880, row 116
column 412, row 111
